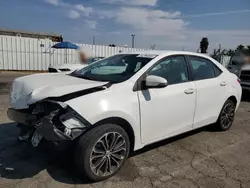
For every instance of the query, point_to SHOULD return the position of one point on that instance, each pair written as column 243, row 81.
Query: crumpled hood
column 30, row 89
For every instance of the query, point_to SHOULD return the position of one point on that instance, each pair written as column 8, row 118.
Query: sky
column 167, row 24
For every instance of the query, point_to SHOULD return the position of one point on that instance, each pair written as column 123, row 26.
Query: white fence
column 224, row 60
column 17, row 53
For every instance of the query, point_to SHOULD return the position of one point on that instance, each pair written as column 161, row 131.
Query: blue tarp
column 65, row 45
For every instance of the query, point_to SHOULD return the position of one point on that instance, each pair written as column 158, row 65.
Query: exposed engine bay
column 54, row 120
column 45, row 114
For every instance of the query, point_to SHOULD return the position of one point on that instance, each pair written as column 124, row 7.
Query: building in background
column 36, row 35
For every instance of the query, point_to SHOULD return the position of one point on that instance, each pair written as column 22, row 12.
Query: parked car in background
column 110, row 112
column 69, row 67
column 240, row 66
column 245, row 77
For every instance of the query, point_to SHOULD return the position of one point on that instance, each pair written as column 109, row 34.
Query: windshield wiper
column 98, row 80
column 84, row 77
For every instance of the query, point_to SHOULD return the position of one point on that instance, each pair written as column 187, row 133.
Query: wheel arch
column 124, row 124
column 233, row 98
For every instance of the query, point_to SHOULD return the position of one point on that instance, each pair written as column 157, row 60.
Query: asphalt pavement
column 202, row 158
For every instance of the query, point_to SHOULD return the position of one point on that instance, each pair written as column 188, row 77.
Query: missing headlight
column 74, row 123
column 57, row 121
column 47, row 106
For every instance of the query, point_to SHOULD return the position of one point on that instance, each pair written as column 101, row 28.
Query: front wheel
column 226, row 116
column 102, row 151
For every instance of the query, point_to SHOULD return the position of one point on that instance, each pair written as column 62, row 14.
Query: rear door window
column 203, row 68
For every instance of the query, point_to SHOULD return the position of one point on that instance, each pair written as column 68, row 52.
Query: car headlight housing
column 74, row 123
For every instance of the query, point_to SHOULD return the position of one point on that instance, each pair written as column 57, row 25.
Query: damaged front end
column 53, row 120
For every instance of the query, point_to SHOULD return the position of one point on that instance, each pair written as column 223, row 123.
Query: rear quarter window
column 217, row 71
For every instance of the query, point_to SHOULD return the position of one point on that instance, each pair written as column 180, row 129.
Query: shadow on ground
column 4, row 88
column 209, row 128
column 19, row 160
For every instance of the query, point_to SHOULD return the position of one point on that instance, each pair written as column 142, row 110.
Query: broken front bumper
column 57, row 125
column 21, row 117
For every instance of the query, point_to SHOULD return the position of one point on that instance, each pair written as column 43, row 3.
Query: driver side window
column 173, row 69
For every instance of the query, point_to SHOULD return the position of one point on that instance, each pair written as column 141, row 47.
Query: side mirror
column 155, row 82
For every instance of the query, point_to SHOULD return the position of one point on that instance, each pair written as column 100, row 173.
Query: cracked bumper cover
column 48, row 127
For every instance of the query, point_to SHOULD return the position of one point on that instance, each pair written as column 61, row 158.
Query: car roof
column 167, row 52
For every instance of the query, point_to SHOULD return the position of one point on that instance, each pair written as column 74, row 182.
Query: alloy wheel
column 108, row 154
column 227, row 115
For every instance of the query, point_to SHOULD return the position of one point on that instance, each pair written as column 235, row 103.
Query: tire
column 25, row 132
column 226, row 117
column 87, row 160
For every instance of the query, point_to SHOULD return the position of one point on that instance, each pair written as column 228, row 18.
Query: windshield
column 94, row 59
column 117, row 68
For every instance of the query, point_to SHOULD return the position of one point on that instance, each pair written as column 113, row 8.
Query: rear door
column 211, row 87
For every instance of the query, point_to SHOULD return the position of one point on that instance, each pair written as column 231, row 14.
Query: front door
column 168, row 111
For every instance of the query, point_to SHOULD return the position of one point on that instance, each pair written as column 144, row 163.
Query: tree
column 112, row 45
column 240, row 47
column 230, row 52
column 214, row 55
column 204, row 45
column 218, row 53
column 248, row 48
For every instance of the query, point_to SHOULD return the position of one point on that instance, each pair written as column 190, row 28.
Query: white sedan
column 151, row 97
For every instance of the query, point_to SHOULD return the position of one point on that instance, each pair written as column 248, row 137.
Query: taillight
column 238, row 80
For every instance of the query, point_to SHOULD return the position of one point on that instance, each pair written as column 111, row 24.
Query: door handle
column 223, row 83
column 189, row 91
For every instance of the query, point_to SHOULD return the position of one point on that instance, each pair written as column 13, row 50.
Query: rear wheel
column 102, row 151
column 226, row 117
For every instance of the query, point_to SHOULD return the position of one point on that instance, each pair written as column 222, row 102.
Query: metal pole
column 94, row 46
column 133, row 40
column 93, row 40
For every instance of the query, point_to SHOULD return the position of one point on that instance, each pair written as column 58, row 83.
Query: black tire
column 25, row 132
column 89, row 140
column 229, row 109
